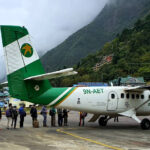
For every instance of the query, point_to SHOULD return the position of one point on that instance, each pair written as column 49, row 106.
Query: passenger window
column 149, row 96
column 142, row 96
column 112, row 96
column 137, row 96
column 122, row 95
column 127, row 96
column 133, row 96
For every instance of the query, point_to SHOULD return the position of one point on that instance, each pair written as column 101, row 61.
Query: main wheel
column 145, row 124
column 102, row 121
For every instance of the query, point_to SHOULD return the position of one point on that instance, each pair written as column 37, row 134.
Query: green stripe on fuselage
column 62, row 98
column 49, row 96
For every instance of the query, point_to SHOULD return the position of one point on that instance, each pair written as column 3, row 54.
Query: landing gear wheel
column 102, row 121
column 145, row 124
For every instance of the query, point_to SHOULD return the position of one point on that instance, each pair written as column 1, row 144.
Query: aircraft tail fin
column 22, row 61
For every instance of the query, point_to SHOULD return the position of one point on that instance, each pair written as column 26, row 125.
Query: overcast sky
column 49, row 22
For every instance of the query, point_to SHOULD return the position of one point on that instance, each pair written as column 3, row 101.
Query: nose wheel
column 145, row 124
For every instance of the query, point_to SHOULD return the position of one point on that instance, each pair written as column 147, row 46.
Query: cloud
column 49, row 22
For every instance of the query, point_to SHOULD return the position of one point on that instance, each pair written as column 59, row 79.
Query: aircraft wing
column 137, row 88
column 56, row 74
column 4, row 84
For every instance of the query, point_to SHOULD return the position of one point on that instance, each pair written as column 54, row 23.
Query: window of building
column 122, row 95
column 142, row 96
column 112, row 96
column 137, row 96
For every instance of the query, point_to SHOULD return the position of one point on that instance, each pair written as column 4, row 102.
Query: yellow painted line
column 89, row 140
column 66, row 97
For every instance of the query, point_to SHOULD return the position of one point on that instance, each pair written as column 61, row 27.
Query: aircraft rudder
column 22, row 61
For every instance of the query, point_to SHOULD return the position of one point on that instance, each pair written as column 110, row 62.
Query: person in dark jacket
column 60, row 117
column 22, row 115
column 14, row 117
column 65, row 116
column 52, row 113
column 33, row 113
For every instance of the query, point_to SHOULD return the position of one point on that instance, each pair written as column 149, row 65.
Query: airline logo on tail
column 27, row 50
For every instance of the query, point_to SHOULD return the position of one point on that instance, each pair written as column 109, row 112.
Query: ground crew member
column 65, row 116
column 44, row 114
column 9, row 115
column 22, row 115
column 33, row 113
column 52, row 113
column 14, row 117
column 60, row 116
column 82, row 118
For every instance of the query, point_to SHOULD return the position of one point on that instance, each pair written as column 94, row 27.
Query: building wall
column 16, row 102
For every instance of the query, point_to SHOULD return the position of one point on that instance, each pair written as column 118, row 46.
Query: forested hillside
column 130, row 53
column 115, row 16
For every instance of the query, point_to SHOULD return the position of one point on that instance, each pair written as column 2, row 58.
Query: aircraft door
column 112, row 101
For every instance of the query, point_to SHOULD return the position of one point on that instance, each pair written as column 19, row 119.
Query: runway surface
column 126, row 134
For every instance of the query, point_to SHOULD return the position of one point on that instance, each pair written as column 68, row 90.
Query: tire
column 145, row 124
column 102, row 121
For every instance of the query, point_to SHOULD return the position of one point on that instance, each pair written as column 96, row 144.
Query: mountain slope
column 131, row 56
column 113, row 18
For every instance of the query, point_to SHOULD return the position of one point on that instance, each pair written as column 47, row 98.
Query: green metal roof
column 130, row 79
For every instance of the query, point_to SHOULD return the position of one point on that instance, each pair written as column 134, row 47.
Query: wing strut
column 131, row 113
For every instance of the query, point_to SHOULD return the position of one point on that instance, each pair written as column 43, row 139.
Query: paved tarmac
column 126, row 134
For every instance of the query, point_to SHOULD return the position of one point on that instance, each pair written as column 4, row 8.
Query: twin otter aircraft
column 28, row 81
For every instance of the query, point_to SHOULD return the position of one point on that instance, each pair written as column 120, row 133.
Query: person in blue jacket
column 22, row 115
column 44, row 113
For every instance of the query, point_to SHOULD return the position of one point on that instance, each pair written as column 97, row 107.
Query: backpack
column 51, row 113
column 8, row 114
column 24, row 113
column 15, row 113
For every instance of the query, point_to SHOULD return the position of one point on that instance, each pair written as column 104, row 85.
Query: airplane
column 28, row 81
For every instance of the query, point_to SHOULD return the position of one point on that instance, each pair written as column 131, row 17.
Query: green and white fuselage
column 27, row 81
column 102, row 100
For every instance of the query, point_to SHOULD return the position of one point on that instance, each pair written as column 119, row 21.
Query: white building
column 17, row 102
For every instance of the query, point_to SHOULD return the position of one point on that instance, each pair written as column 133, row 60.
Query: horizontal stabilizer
column 4, row 84
column 52, row 75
